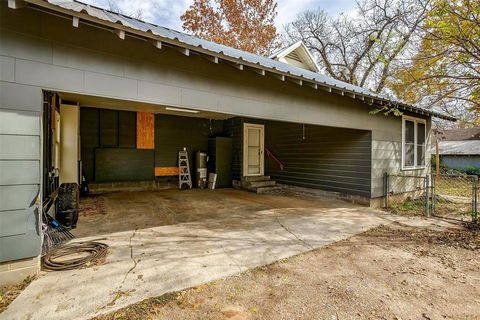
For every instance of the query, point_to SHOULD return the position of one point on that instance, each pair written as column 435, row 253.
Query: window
column 414, row 143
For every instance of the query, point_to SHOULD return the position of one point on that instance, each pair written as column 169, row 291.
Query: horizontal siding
column 14, row 172
column 173, row 133
column 233, row 129
column 331, row 159
column 19, row 172
column 123, row 164
column 15, row 147
column 17, row 197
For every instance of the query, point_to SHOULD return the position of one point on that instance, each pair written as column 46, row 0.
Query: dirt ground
column 391, row 272
column 9, row 293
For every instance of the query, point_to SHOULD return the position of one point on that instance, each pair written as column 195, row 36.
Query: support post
column 386, row 183
column 427, row 197
column 474, row 199
column 434, row 200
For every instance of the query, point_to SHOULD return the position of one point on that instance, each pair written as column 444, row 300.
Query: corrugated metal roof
column 458, row 134
column 238, row 55
column 470, row 147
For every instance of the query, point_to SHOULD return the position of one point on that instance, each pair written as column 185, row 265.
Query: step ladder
column 184, row 176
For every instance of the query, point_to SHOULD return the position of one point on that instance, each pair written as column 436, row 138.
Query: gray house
column 87, row 91
column 459, row 148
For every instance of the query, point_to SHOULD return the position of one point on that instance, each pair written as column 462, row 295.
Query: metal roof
column 301, row 76
column 469, row 147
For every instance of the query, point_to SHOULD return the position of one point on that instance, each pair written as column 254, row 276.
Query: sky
column 167, row 13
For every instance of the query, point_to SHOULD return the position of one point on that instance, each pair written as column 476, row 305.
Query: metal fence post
column 474, row 198
column 427, row 198
column 387, row 187
column 433, row 180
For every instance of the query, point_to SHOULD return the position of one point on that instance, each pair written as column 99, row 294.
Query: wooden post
column 437, row 159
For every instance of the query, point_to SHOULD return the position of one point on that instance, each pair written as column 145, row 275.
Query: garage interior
column 124, row 156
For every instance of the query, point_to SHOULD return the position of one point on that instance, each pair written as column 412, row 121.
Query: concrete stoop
column 259, row 184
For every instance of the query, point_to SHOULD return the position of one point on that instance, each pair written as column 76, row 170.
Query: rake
column 54, row 233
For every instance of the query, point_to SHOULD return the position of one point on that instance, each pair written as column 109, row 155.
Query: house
column 84, row 91
column 459, row 148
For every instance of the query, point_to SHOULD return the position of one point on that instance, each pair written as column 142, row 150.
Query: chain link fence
column 448, row 196
column 406, row 194
column 455, row 196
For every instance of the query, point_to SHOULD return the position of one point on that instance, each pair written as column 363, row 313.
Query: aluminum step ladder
column 184, row 176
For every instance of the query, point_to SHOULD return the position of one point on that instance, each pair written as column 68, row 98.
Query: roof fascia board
column 16, row 4
column 94, row 21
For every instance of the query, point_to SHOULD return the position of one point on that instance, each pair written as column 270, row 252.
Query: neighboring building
column 459, row 148
column 82, row 88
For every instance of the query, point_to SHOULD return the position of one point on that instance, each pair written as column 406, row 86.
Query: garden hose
column 75, row 255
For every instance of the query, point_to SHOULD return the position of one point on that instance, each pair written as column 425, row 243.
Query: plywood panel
column 145, row 130
column 166, row 171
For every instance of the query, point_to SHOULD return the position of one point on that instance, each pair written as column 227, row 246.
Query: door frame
column 246, row 126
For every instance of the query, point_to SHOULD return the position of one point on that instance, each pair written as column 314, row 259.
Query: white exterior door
column 253, row 146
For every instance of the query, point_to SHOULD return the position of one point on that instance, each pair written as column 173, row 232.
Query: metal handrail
column 272, row 156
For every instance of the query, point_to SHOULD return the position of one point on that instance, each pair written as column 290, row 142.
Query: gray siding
column 40, row 51
column 109, row 143
column 460, row 162
column 326, row 158
column 173, row 133
column 19, row 182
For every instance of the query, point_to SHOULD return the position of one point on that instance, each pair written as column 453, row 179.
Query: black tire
column 67, row 197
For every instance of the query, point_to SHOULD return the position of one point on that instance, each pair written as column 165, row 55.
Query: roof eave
column 120, row 29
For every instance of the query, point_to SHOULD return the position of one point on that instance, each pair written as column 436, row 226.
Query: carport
column 210, row 235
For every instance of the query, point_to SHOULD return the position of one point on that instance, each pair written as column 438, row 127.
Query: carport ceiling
column 118, row 104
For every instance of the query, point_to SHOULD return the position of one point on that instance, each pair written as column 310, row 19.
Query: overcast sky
column 167, row 13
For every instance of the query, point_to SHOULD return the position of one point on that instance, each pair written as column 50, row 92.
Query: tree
column 364, row 48
column 244, row 24
column 446, row 70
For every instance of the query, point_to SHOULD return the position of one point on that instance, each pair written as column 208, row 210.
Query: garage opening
column 124, row 158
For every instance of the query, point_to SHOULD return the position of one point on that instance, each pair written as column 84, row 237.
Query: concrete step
column 255, row 178
column 259, row 184
column 263, row 190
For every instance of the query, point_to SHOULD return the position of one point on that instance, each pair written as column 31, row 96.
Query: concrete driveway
column 149, row 262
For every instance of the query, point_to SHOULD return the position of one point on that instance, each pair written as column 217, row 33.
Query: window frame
column 415, row 121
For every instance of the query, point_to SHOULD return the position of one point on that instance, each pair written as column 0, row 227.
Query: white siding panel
column 21, row 46
column 17, row 197
column 19, row 147
column 20, row 97
column 13, row 223
column 19, row 122
column 89, row 60
column 50, row 76
column 159, row 93
column 205, row 100
column 101, row 84
column 19, row 172
column 7, row 68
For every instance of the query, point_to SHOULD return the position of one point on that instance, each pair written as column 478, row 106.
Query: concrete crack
column 230, row 257
column 119, row 293
column 131, row 257
column 305, row 243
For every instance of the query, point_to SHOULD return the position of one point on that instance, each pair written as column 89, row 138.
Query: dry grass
column 391, row 272
column 9, row 293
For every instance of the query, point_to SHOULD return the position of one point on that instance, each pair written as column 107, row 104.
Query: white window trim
column 415, row 149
